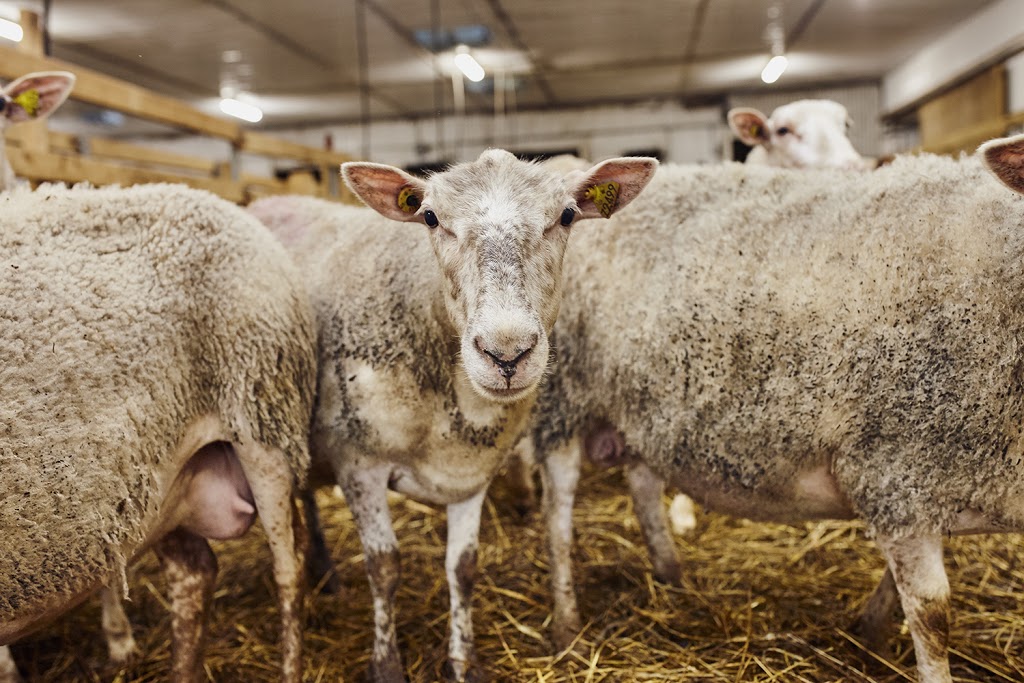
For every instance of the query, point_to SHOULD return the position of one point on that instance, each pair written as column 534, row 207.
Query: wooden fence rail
column 41, row 155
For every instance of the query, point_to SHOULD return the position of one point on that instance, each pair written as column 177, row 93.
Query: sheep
column 432, row 343
column 30, row 98
column 785, row 346
column 157, row 354
column 801, row 134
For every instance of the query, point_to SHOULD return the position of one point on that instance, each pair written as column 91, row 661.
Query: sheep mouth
column 506, row 394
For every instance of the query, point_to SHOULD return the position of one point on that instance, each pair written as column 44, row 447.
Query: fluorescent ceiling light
column 467, row 65
column 241, row 110
column 774, row 68
column 11, row 30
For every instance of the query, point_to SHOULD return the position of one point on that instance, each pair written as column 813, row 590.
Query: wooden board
column 112, row 93
column 46, row 166
column 115, row 149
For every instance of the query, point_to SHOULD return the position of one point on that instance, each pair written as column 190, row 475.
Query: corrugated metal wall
column 862, row 101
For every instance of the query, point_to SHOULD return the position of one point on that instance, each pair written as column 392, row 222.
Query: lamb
column 432, row 343
column 791, row 347
column 30, row 98
column 801, row 134
column 158, row 362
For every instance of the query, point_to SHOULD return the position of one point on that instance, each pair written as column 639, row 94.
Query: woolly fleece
column 124, row 315
column 743, row 326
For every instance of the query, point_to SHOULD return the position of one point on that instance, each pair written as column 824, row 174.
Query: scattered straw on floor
column 758, row 603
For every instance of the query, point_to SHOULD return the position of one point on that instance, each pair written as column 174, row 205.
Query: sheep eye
column 784, row 130
column 430, row 218
column 568, row 215
column 3, row 103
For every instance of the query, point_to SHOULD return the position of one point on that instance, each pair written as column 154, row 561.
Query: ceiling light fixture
column 11, row 30
column 774, row 68
column 467, row 65
column 241, row 110
column 775, row 35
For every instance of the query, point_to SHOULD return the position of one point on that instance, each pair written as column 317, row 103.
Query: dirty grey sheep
column 432, row 342
column 157, row 359
column 786, row 346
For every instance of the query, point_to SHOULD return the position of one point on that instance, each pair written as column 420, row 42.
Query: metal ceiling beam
column 406, row 35
column 803, row 22
column 695, row 28
column 517, row 40
column 292, row 46
column 178, row 85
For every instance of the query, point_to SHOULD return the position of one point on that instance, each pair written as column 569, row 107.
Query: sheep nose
column 507, row 359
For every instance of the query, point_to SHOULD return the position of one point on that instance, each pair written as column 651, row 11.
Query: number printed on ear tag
column 605, row 197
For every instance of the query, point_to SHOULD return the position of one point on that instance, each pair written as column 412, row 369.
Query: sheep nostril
column 507, row 363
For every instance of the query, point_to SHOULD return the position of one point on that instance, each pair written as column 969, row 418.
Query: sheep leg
column 874, row 624
column 319, row 565
column 191, row 570
column 365, row 490
column 560, row 475
column 920, row 578
column 272, row 484
column 8, row 671
column 460, row 568
column 116, row 627
column 647, row 490
column 520, row 477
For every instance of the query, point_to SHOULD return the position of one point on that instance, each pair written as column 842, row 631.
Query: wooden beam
column 112, row 93
column 967, row 139
column 54, row 167
column 266, row 145
column 124, row 151
column 33, row 133
column 14, row 136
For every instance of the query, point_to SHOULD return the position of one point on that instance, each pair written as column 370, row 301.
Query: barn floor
column 759, row 603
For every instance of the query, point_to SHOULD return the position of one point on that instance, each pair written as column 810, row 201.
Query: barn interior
column 252, row 98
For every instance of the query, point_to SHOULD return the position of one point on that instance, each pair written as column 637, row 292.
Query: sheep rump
column 128, row 314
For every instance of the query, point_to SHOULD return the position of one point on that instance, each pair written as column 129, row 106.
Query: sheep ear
column 389, row 191
column 611, row 185
column 749, row 125
column 1005, row 158
column 37, row 95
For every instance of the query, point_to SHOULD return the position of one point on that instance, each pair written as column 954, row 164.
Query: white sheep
column 786, row 346
column 157, row 358
column 801, row 134
column 432, row 343
column 29, row 98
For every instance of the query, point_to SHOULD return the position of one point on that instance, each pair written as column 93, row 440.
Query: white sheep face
column 499, row 227
column 802, row 134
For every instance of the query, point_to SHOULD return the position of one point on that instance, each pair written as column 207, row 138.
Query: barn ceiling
column 300, row 59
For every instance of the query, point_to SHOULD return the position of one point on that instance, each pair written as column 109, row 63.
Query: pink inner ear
column 379, row 187
column 53, row 89
column 1007, row 162
column 749, row 127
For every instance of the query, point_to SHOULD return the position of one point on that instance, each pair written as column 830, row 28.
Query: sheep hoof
column 564, row 634
column 458, row 671
column 122, row 650
column 387, row 671
column 668, row 573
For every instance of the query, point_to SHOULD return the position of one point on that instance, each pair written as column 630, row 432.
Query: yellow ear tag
column 755, row 131
column 29, row 101
column 605, row 197
column 408, row 200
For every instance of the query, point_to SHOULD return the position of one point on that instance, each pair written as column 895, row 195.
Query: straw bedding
column 759, row 603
